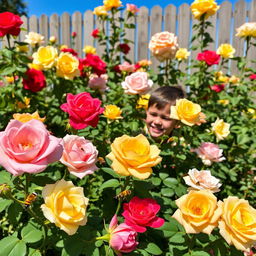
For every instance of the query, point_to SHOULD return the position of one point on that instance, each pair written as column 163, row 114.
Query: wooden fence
column 178, row 20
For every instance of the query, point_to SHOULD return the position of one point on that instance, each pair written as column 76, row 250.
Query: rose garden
column 81, row 172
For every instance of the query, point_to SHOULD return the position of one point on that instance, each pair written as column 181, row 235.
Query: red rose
column 125, row 48
column 116, row 69
column 9, row 24
column 218, row 87
column 74, row 34
column 137, row 66
column 95, row 33
column 98, row 66
column 252, row 77
column 139, row 213
column 70, row 50
column 34, row 80
column 209, row 57
column 83, row 110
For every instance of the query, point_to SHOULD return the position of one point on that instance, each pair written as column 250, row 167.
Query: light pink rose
column 127, row 67
column 28, row 147
column 79, row 155
column 137, row 83
column 132, row 8
column 209, row 152
column 122, row 237
column 202, row 180
column 98, row 82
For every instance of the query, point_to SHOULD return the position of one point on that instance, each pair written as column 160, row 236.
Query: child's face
column 158, row 121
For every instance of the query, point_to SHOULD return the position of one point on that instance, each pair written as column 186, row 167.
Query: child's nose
column 158, row 120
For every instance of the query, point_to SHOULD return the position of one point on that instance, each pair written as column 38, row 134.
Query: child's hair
column 166, row 95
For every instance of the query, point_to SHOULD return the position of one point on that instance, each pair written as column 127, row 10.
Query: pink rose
column 28, row 147
column 132, row 8
column 83, row 110
column 122, row 237
column 252, row 77
column 218, row 87
column 139, row 213
column 127, row 67
column 209, row 152
column 209, row 57
column 98, row 82
column 137, row 83
column 79, row 155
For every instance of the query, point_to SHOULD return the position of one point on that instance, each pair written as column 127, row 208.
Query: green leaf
column 34, row 252
column 5, row 177
column 113, row 183
column 199, row 253
column 12, row 246
column 30, row 234
column 4, row 203
column 167, row 192
column 170, row 182
column 7, row 70
column 153, row 249
column 110, row 172
column 177, row 238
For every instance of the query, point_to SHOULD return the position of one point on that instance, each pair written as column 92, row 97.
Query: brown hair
column 166, row 95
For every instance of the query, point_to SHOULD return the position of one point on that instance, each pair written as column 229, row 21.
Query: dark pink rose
column 83, row 110
column 218, row 87
column 140, row 213
column 95, row 33
column 125, row 48
column 209, row 57
column 70, row 50
column 252, row 77
column 9, row 24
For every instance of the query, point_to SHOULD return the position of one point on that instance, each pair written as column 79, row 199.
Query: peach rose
column 134, row 156
column 238, row 223
column 79, row 155
column 132, row 8
column 127, row 67
column 28, row 147
column 65, row 205
column 137, row 83
column 164, row 45
column 198, row 211
column 202, row 180
column 98, row 82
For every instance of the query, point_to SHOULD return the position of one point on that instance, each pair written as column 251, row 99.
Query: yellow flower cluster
column 25, row 117
column 182, row 54
column 112, row 112
column 88, row 49
column 204, row 7
column 109, row 4
column 143, row 101
column 226, row 51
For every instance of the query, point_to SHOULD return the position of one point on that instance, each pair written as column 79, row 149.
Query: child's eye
column 167, row 118
column 153, row 114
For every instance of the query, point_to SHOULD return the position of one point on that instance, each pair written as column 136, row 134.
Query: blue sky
column 48, row 7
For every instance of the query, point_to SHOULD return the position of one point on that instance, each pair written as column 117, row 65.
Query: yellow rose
column 247, row 29
column 238, row 223
column 9, row 79
column 187, row 112
column 109, row 4
column 226, row 51
column 25, row 117
column 182, row 54
column 234, row 79
column 35, row 66
column 221, row 129
column 88, row 49
column 112, row 112
column 67, row 66
column 198, row 211
column 45, row 56
column 223, row 102
column 53, row 39
column 63, row 46
column 100, row 11
column 34, row 39
column 207, row 7
column 143, row 101
column 24, row 104
column 252, row 112
column 134, row 156
column 65, row 205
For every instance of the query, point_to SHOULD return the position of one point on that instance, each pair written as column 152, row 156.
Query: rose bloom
column 53, row 39
column 34, row 39
column 223, row 102
column 98, row 82
column 124, row 48
column 9, row 24
column 144, row 63
column 132, row 8
column 122, row 238
column 65, row 205
column 237, row 223
column 83, row 110
column 143, row 101
column 35, row 66
column 218, row 87
column 109, row 4
column 95, row 33
column 141, row 213
column 67, row 66
column 163, row 45
column 134, row 156
column 100, row 11
column 198, row 211
column 79, row 155
column 70, row 50
column 204, row 7
column 97, row 65
column 88, row 49
column 247, row 29
column 34, row 80
column 24, row 104
column 45, row 56
column 28, row 147
column 209, row 57
column 25, row 117
column 74, row 34
column 187, row 112
column 112, row 112
column 220, row 77
column 252, row 77
column 182, row 54
column 137, row 83
column 202, row 180
column 209, row 152
column 127, row 67
column 226, row 51
column 221, row 129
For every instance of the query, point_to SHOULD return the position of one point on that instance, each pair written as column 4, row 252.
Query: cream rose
column 247, row 29
column 65, row 205
column 221, row 129
column 34, row 39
